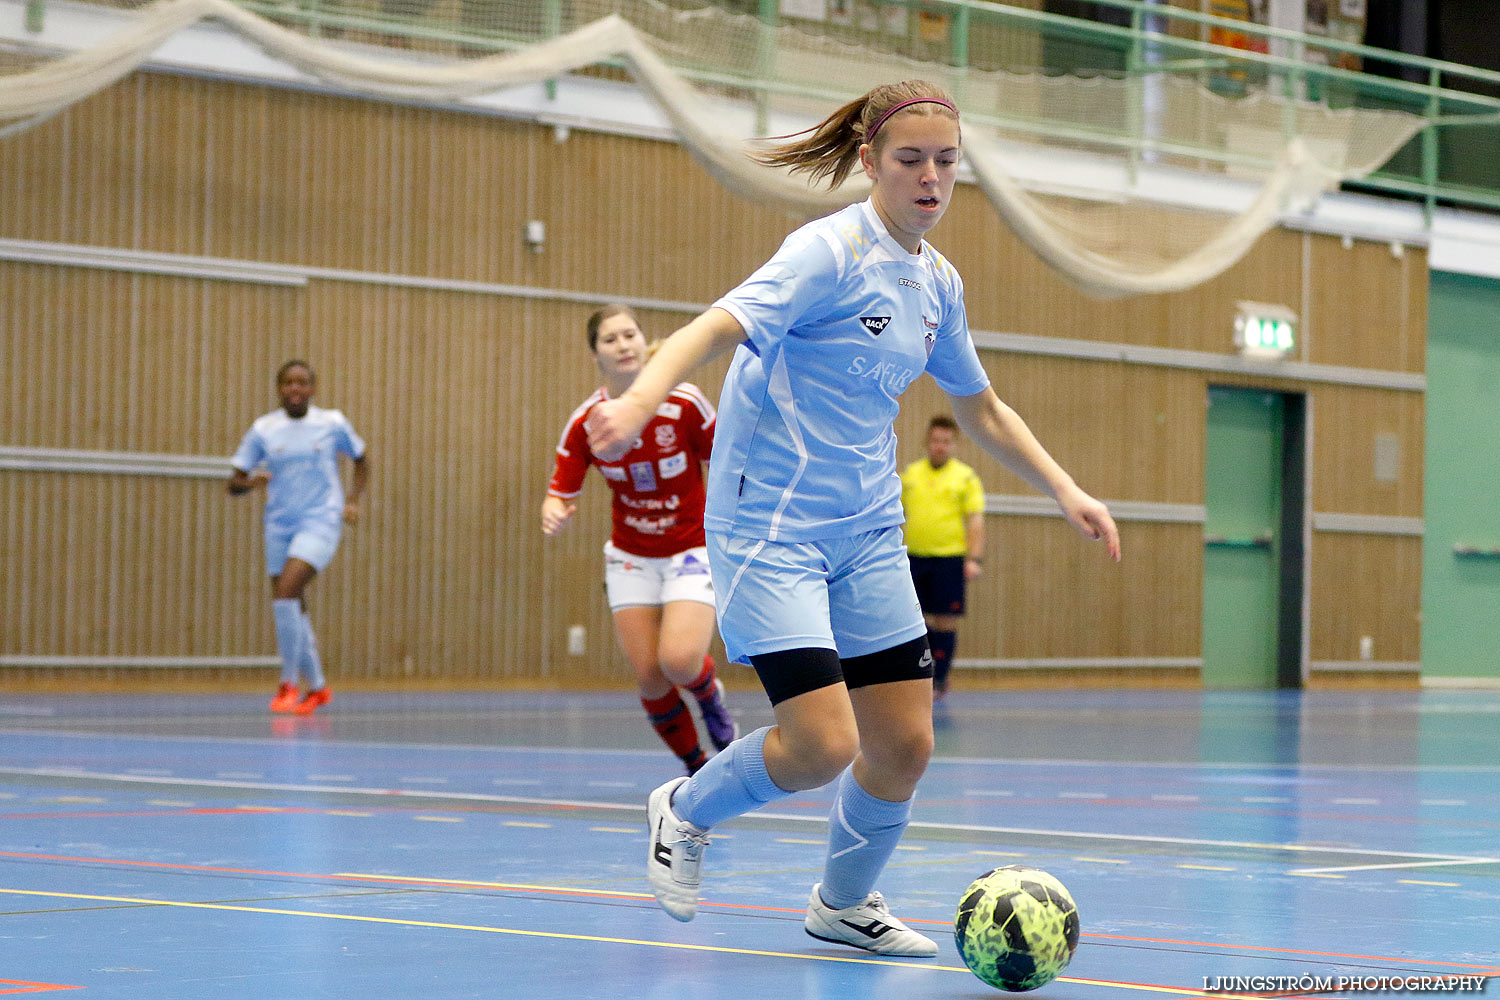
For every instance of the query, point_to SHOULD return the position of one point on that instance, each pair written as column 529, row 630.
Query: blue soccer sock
column 733, row 782
column 290, row 636
column 312, row 664
column 862, row 834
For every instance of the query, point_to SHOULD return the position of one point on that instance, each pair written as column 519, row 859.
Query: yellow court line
column 493, row 885
column 1417, row 881
column 598, row 939
column 1207, row 868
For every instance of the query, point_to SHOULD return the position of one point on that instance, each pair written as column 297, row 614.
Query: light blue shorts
column 853, row 595
column 314, row 542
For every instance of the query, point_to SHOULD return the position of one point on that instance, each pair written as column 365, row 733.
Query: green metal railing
column 1452, row 160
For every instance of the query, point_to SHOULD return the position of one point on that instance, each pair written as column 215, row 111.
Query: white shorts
column 852, row 595
column 637, row 581
column 314, row 542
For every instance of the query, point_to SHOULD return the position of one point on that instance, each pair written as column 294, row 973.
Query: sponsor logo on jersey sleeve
column 614, row 472
column 673, row 465
column 672, row 411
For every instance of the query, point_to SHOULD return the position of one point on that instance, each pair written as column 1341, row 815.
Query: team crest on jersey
column 666, row 436
column 929, row 336
column 875, row 324
column 673, row 465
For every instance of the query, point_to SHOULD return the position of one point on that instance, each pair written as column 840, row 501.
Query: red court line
column 153, row 813
column 33, row 987
column 545, row 890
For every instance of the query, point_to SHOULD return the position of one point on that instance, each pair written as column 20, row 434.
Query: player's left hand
column 613, row 426
column 351, row 511
column 1092, row 519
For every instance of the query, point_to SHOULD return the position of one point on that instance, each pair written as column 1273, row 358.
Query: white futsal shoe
column 674, row 857
column 868, row 925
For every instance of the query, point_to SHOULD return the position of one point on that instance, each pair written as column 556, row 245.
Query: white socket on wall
column 577, row 640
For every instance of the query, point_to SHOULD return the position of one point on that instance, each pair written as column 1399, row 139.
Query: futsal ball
column 1017, row 928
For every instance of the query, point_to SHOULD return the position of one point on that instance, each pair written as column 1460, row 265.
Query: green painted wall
column 1461, row 596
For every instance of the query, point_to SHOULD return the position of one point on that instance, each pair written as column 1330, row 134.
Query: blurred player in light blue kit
column 293, row 453
column 804, row 505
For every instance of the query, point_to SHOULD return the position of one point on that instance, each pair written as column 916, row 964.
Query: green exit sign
column 1265, row 331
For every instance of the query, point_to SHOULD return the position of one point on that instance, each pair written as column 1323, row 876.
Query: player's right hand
column 555, row 514
column 613, row 426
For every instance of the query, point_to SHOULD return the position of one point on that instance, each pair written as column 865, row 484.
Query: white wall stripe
column 1083, row 663
column 33, row 251
column 173, row 662
column 1368, row 524
column 1366, row 666
column 1172, row 357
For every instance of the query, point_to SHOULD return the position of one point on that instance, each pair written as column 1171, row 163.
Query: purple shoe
column 721, row 727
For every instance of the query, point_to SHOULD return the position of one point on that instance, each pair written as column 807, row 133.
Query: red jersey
column 658, row 483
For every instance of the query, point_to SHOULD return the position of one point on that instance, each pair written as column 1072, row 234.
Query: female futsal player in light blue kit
column 804, row 505
column 294, row 453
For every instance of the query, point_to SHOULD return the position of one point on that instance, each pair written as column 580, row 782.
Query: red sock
column 670, row 718
column 704, row 688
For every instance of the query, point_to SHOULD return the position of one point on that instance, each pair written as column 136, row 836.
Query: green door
column 1241, row 593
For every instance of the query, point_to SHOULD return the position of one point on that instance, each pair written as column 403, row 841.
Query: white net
column 696, row 63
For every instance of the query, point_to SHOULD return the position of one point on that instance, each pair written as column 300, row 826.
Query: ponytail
column 831, row 148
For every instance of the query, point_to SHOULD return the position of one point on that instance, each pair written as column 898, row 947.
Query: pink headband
column 906, row 104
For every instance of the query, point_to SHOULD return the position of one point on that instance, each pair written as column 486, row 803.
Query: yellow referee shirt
column 936, row 502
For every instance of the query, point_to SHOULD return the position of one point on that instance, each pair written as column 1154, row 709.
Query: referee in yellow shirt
column 944, row 503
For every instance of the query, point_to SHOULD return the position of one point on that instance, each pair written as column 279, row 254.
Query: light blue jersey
column 838, row 324
column 302, row 455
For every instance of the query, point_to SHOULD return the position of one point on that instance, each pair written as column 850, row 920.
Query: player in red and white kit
column 656, row 566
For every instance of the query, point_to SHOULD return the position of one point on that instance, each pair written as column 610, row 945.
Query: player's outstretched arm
column 1000, row 431
column 555, row 514
column 357, row 488
column 241, row 482
column 615, row 423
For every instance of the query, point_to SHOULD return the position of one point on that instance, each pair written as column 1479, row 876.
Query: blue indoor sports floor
column 492, row 845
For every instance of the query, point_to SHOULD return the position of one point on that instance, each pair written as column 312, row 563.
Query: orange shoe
column 310, row 701
column 286, row 698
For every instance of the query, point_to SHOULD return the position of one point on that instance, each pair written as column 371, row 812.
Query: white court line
column 1450, row 862
column 818, row 820
column 1010, row 762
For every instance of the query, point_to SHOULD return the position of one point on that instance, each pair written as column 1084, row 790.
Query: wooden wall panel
column 130, row 565
column 1366, row 585
column 462, row 393
column 1123, row 431
column 74, row 179
column 1047, row 593
column 1346, row 423
column 1361, row 312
